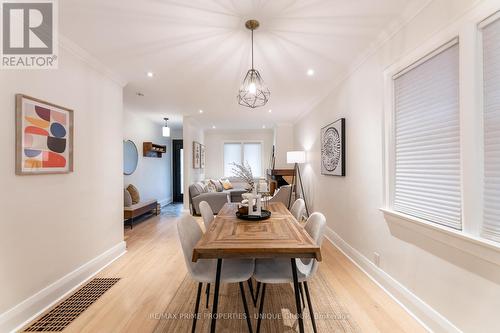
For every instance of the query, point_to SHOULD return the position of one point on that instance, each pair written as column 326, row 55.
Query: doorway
column 178, row 170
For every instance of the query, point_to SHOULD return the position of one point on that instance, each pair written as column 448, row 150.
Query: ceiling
column 199, row 51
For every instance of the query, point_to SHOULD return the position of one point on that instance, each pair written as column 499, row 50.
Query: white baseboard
column 429, row 318
column 165, row 201
column 24, row 312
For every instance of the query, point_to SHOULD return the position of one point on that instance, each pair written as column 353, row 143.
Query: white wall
column 53, row 224
column 283, row 141
column 462, row 288
column 153, row 176
column 176, row 134
column 191, row 131
column 214, row 142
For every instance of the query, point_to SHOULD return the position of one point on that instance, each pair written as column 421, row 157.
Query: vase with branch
column 244, row 172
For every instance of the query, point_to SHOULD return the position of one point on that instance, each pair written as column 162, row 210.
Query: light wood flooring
column 153, row 268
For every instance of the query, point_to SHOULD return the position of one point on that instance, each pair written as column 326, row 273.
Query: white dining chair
column 298, row 208
column 283, row 195
column 206, row 213
column 204, row 270
column 276, row 271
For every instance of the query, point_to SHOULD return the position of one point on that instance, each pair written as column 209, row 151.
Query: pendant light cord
column 252, row 48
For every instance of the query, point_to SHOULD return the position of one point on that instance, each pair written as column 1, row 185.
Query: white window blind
column 243, row 153
column 232, row 154
column 252, row 155
column 491, row 76
column 427, row 139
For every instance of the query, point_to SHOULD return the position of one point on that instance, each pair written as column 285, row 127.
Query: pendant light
column 253, row 92
column 166, row 129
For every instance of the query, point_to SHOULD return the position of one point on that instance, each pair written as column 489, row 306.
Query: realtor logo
column 29, row 36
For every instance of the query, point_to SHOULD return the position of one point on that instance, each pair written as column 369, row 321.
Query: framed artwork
column 196, row 155
column 44, row 137
column 202, row 156
column 333, row 149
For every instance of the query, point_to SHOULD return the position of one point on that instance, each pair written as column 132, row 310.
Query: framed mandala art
column 333, row 149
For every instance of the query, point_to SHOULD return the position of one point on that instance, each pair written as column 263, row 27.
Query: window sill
column 476, row 246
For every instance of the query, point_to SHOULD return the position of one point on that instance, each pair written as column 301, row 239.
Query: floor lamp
column 297, row 157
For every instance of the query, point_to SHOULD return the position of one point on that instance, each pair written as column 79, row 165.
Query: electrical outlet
column 376, row 259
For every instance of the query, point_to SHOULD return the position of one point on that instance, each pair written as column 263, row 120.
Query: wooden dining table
column 280, row 236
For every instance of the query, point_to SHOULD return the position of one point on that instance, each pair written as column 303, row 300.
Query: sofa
column 199, row 192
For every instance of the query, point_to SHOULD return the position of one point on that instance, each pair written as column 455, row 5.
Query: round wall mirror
column 130, row 157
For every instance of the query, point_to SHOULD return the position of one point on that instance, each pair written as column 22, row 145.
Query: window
column 252, row 155
column 491, row 85
column 232, row 154
column 427, row 181
column 442, row 139
column 243, row 152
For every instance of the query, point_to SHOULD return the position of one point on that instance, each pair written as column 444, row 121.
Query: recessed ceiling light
column 263, row 126
column 150, row 74
column 200, row 111
column 270, row 110
column 213, row 126
column 310, row 72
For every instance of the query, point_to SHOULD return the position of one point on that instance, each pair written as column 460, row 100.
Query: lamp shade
column 166, row 131
column 298, row 156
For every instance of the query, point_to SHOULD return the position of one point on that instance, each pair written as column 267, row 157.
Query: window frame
column 469, row 35
column 242, row 153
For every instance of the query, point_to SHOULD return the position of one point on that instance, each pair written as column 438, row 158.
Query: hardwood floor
column 153, row 269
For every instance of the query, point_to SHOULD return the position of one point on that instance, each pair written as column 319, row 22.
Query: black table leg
column 245, row 306
column 216, row 296
column 195, row 314
column 261, row 307
column 297, row 295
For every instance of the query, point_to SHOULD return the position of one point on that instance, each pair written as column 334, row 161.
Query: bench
column 135, row 210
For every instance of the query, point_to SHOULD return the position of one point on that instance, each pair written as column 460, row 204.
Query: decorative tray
column 264, row 215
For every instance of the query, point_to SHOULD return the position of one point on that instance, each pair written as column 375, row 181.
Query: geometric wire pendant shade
column 253, row 92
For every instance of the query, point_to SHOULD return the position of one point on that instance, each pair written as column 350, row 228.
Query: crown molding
column 73, row 48
column 383, row 38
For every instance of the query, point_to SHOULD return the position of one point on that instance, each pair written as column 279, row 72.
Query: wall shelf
column 150, row 149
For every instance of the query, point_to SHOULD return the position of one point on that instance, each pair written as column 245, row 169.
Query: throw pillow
column 226, row 184
column 211, row 187
column 127, row 198
column 217, row 184
column 134, row 193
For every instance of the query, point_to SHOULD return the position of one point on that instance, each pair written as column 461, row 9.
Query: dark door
column 177, row 170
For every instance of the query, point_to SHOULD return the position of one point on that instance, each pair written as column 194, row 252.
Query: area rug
column 279, row 310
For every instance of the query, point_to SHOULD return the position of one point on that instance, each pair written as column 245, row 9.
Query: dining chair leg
column 302, row 298
column 250, row 287
column 257, row 292
column 309, row 305
column 207, row 291
column 297, row 295
column 216, row 296
column 196, row 308
column 261, row 307
column 245, row 306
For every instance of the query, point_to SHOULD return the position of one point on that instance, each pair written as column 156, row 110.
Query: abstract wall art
column 333, row 149
column 44, row 137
